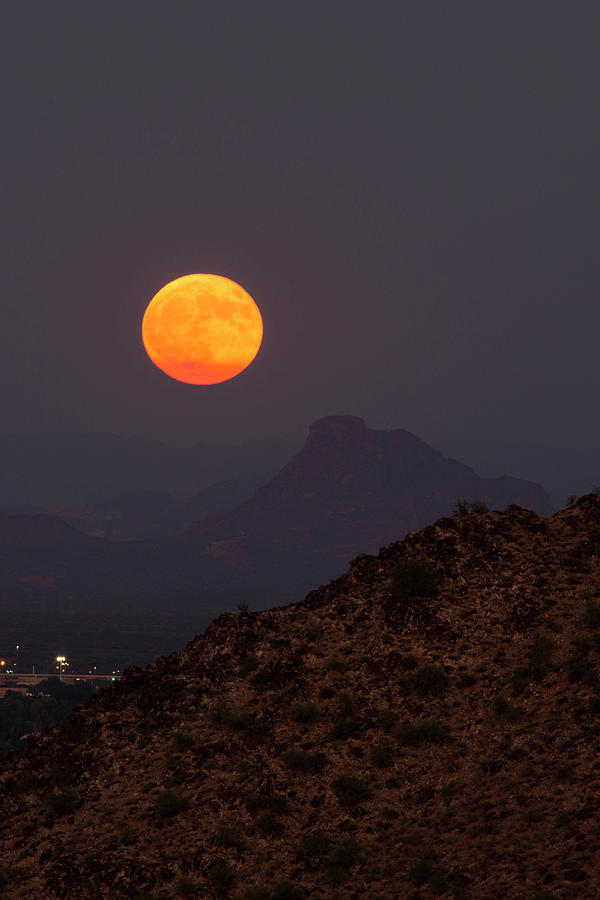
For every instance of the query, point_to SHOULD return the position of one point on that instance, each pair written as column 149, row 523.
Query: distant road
column 23, row 678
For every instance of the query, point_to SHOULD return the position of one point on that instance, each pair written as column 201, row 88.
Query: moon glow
column 202, row 329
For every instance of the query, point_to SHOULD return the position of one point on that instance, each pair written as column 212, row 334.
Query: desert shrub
column 226, row 835
column 182, row 740
column 424, row 793
column 223, row 714
column 62, row 777
column 351, row 790
column 581, row 670
column 256, row 802
column 186, row 887
column 63, row 803
column 519, row 680
column 304, row 713
column 382, row 753
column 344, row 728
column 257, row 893
column 314, row 633
column 503, row 708
column 346, row 704
column 464, row 508
column 285, row 890
column 414, row 578
column 243, row 609
column 420, row 872
column 408, row 661
column 540, row 655
column 221, row 877
column 268, row 823
column 591, row 617
column 423, row 731
column 302, row 760
column 386, row 719
column 314, row 844
column 500, row 704
column 333, row 664
column 250, row 664
column 169, row 804
column 594, row 705
column 128, row 837
column 344, row 855
column 430, row 680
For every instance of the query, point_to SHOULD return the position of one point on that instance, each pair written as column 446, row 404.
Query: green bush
column 333, row 664
column 503, row 708
column 186, row 887
column 302, row 760
column 386, row 719
column 304, row 713
column 314, row 844
column 344, row 855
column 351, row 790
column 226, row 835
column 383, row 753
column 169, row 804
column 250, row 664
column 580, row 669
column 414, row 578
column 591, row 617
column 423, row 731
column 221, row 877
column 420, row 872
column 430, row 680
column 256, row 802
column 344, row 728
column 285, row 890
column 314, row 633
column 474, row 507
column 63, row 803
column 268, row 824
column 347, row 704
column 182, row 740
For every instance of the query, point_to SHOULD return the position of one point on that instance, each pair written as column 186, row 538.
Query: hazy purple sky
column 408, row 190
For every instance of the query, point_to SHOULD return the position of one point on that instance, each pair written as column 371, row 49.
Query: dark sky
column 408, row 190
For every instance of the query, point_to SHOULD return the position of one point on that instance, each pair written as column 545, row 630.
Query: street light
column 62, row 664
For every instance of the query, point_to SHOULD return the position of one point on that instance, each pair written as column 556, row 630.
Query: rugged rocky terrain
column 426, row 725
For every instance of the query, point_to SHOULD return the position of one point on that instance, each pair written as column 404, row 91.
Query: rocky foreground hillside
column 426, row 725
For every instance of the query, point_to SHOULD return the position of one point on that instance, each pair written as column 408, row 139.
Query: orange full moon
column 202, row 329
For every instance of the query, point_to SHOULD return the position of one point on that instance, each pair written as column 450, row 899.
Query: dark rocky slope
column 362, row 743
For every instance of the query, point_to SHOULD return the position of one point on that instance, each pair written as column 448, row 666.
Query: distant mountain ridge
column 73, row 469
column 352, row 488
